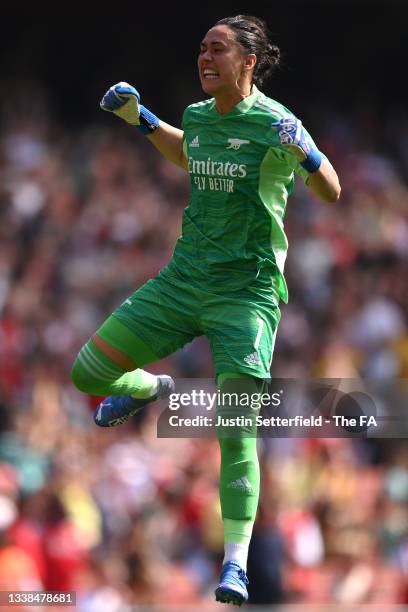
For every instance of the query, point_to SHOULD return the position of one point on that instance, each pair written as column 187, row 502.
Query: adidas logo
column 253, row 358
column 195, row 142
column 241, row 484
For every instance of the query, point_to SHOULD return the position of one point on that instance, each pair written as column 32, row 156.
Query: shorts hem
column 241, row 369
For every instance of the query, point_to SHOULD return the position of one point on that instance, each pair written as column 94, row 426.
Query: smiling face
column 224, row 66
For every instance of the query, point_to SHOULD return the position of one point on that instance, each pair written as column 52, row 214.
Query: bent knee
column 81, row 378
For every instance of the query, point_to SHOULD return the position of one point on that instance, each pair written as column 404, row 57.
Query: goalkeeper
column 226, row 277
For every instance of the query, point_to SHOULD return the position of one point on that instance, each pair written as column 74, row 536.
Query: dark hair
column 252, row 33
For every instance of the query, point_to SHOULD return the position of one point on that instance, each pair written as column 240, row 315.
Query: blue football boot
column 115, row 411
column 233, row 585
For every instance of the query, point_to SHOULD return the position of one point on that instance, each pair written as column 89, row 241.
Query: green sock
column 94, row 372
column 237, row 532
column 239, row 478
column 148, row 384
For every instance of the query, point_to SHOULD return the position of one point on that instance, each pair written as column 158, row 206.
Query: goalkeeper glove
column 124, row 101
column 292, row 134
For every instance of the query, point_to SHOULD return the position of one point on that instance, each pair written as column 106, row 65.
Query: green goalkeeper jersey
column 233, row 235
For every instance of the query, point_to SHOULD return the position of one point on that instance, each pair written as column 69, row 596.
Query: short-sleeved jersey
column 233, row 235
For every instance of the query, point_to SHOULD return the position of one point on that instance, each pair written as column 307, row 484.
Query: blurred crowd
column 89, row 214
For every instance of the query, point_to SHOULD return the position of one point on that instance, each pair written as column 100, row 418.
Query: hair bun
column 274, row 54
column 252, row 34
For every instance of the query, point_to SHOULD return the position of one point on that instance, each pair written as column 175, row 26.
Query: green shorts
column 166, row 313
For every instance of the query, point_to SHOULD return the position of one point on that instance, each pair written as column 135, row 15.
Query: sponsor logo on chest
column 214, row 175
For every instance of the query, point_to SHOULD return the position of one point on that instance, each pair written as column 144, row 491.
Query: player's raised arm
column 325, row 182
column 323, row 179
column 124, row 101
